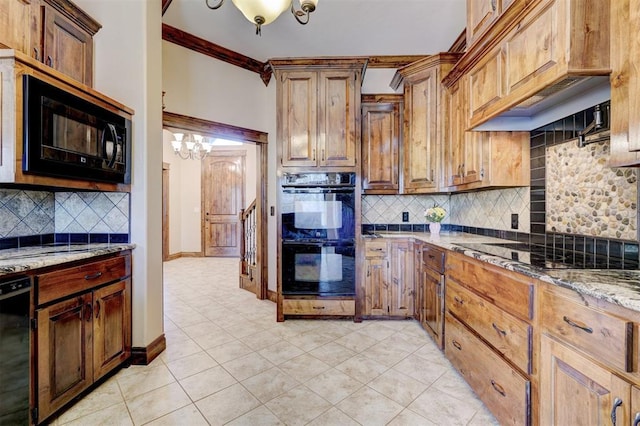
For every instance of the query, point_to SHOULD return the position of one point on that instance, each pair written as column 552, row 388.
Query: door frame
column 260, row 140
column 166, row 167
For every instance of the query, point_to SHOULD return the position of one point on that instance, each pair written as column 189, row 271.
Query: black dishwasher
column 14, row 351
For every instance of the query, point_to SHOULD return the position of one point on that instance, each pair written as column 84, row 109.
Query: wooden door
column 339, row 104
column 380, row 144
column 455, row 135
column 401, row 285
column 64, row 338
column 418, row 283
column 111, row 327
column 376, row 287
column 165, row 212
column 299, row 109
column 577, row 391
column 223, row 182
column 420, row 168
column 66, row 47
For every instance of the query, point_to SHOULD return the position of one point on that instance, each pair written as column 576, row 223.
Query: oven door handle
column 318, row 243
column 111, row 160
column 298, row 190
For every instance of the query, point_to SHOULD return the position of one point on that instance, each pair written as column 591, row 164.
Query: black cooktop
column 549, row 257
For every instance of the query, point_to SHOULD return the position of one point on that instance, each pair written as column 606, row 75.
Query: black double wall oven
column 318, row 234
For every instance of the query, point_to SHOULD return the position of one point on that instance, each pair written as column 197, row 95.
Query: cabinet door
column 338, row 118
column 420, row 168
column 480, row 15
column 635, row 405
column 380, row 139
column 299, row 105
column 433, row 304
column 66, row 47
column 454, row 136
column 418, row 283
column 578, row 392
column 64, row 336
column 15, row 24
column 401, row 285
column 111, row 327
column 376, row 286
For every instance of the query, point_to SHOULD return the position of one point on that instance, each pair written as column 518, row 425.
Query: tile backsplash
column 26, row 213
column 388, row 209
column 492, row 209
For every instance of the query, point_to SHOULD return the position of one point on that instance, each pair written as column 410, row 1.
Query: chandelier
column 263, row 12
column 194, row 147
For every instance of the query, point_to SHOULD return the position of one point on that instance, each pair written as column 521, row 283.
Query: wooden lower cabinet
column 576, row 391
column 503, row 389
column 80, row 337
column 65, row 352
column 318, row 307
column 432, row 263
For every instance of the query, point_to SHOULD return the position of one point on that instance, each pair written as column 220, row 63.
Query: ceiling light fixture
column 194, row 147
column 264, row 12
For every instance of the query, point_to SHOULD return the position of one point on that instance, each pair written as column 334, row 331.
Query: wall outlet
column 405, row 216
column 514, row 221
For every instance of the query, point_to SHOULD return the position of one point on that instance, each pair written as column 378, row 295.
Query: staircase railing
column 248, row 246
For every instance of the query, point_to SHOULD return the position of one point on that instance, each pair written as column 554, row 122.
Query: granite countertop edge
column 26, row 259
column 621, row 287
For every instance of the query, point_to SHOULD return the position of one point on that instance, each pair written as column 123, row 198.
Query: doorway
column 246, row 136
column 223, row 199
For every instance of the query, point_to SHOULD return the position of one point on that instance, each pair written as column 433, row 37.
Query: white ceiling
column 336, row 28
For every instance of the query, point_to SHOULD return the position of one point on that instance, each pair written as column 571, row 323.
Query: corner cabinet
column 424, row 123
column 82, row 328
column 318, row 112
column 381, row 136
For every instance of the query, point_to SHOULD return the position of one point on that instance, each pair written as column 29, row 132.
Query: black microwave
column 71, row 137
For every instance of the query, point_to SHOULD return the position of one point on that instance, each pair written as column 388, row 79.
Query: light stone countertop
column 25, row 259
column 618, row 286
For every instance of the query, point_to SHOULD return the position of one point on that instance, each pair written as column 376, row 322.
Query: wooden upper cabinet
column 548, row 45
column 338, row 118
column 318, row 109
column 66, row 47
column 480, row 15
column 16, row 21
column 381, row 126
column 625, row 84
column 424, row 123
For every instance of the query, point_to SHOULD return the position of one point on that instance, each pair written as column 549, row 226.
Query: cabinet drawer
column 509, row 335
column 318, row 307
column 433, row 258
column 508, row 290
column 377, row 248
column 57, row 284
column 503, row 390
column 601, row 335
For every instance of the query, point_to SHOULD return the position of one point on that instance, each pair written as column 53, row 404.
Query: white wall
column 128, row 67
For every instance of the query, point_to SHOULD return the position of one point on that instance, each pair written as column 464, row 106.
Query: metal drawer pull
column 93, row 276
column 458, row 300
column 498, row 388
column 376, row 249
column 498, row 329
column 576, row 325
column 636, row 420
column 318, row 307
column 616, row 403
column 456, row 345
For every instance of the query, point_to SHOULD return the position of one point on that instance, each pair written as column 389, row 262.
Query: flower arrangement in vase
column 434, row 216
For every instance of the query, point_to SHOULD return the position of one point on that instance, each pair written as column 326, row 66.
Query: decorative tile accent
column 491, row 209
column 586, row 197
column 26, row 213
column 388, row 208
column 92, row 212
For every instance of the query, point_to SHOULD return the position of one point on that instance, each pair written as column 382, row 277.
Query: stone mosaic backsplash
column 586, row 197
column 28, row 213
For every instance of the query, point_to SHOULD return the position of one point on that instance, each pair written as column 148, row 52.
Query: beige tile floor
column 229, row 362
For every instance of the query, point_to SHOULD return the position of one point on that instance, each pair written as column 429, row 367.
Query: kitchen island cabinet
column 82, row 328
